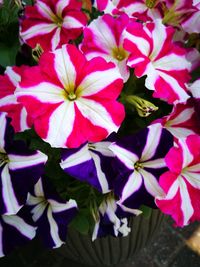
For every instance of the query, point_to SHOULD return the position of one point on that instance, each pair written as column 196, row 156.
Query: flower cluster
column 99, row 118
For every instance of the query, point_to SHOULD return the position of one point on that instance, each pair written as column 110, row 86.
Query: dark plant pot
column 109, row 250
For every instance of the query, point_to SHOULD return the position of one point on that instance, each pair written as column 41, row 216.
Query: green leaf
column 81, row 223
column 8, row 54
column 146, row 211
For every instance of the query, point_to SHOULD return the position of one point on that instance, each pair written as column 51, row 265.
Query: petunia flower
column 192, row 23
column 182, row 121
column 52, row 23
column 143, row 10
column 8, row 102
column 112, row 219
column 104, row 37
column 72, row 100
column 140, row 163
column 182, row 183
column 16, row 230
column 20, row 168
column 153, row 53
column 50, row 213
column 92, row 163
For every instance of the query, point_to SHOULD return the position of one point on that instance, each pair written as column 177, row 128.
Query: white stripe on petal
column 38, row 210
column 152, row 141
column 186, row 154
column 14, row 77
column 70, row 22
column 183, row 96
column 23, row 120
column 1, row 241
column 38, row 189
column 79, row 157
column 185, row 115
column 186, row 205
column 39, row 29
column 125, row 156
column 102, row 147
column 45, row 10
column 54, row 229
column 8, row 194
column 24, row 228
column 172, row 62
column 8, row 100
column 151, row 184
column 97, row 114
column 100, row 174
column 3, row 123
column 156, row 163
column 172, row 191
column 56, row 39
column 61, row 124
column 193, row 178
column 32, row 200
column 179, row 132
column 135, row 61
column 140, row 42
column 95, row 231
column 45, row 92
column 97, row 81
column 60, row 5
column 132, row 185
column 20, row 162
column 159, row 38
column 103, row 36
column 65, row 69
column 60, row 207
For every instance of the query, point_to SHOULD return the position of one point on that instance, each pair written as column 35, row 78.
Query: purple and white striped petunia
column 140, row 163
column 182, row 182
column 153, row 53
column 113, row 219
column 52, row 23
column 50, row 213
column 92, row 163
column 15, row 230
column 20, row 169
column 75, row 98
column 182, row 121
column 8, row 102
column 104, row 37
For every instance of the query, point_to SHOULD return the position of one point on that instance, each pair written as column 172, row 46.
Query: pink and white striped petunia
column 139, row 9
column 182, row 121
column 104, row 37
column 153, row 53
column 8, row 102
column 52, row 23
column 72, row 100
column 182, row 182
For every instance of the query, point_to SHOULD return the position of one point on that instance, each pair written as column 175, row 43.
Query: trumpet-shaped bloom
column 104, row 37
column 92, row 162
column 72, row 100
column 20, row 168
column 50, row 213
column 52, row 23
column 113, row 219
column 182, row 121
column 15, row 230
column 154, row 54
column 182, row 182
column 139, row 9
column 8, row 102
column 140, row 163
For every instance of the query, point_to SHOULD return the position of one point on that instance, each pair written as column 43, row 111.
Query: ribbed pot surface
column 109, row 250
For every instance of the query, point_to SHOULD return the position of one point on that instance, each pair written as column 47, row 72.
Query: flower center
column 72, row 96
column 119, row 53
column 3, row 158
column 151, row 3
column 58, row 21
column 138, row 165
